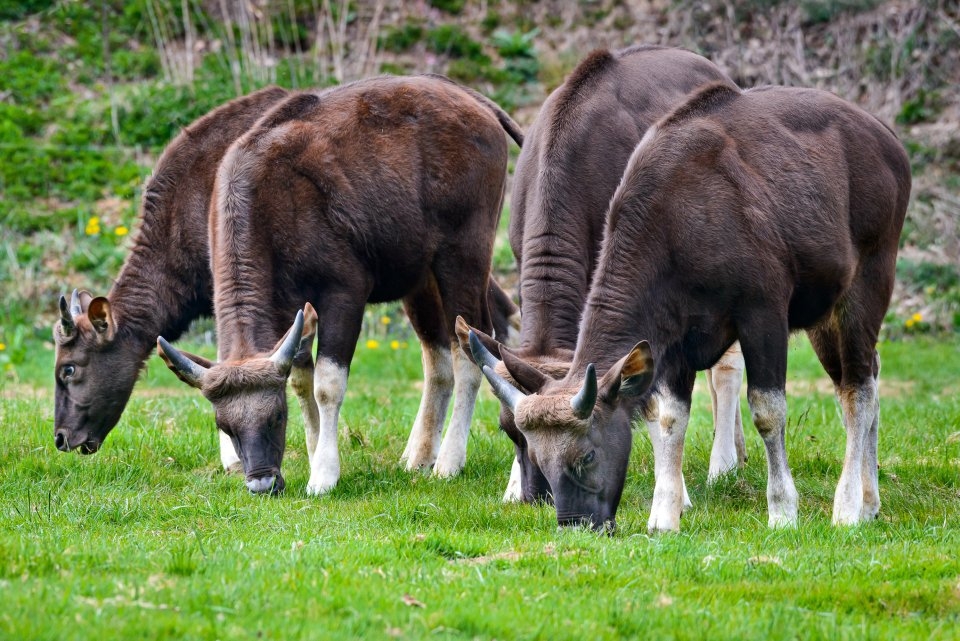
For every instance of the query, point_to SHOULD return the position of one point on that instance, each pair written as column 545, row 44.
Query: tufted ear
column 310, row 320
column 631, row 376
column 526, row 375
column 100, row 317
column 463, row 330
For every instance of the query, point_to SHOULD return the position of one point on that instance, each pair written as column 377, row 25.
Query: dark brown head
column 249, row 398
column 577, row 429
column 95, row 373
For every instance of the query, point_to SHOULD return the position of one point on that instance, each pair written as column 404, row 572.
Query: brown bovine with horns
column 164, row 285
column 383, row 189
column 741, row 215
column 571, row 163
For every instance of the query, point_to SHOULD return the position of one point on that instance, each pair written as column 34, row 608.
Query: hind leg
column 871, row 464
column 425, row 311
column 724, row 380
column 853, row 369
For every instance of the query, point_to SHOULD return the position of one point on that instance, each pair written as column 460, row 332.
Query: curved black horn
column 481, row 355
column 75, row 309
column 586, row 398
column 507, row 393
column 283, row 357
column 66, row 318
column 189, row 372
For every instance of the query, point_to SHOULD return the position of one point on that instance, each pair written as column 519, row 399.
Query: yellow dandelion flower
column 385, row 320
column 3, row 346
column 394, row 344
column 909, row 323
column 373, row 344
column 121, row 231
column 917, row 318
column 93, row 226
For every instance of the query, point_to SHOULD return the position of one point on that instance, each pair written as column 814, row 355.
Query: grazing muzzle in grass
column 95, row 371
column 249, row 399
column 577, row 430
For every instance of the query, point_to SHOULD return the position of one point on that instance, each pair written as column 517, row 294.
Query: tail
column 508, row 124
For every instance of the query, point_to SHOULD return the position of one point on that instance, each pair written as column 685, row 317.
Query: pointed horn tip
column 586, row 398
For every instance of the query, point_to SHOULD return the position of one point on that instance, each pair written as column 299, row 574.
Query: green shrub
column 19, row 9
column 451, row 40
column 450, row 6
column 30, row 79
column 400, row 39
column 515, row 44
column 471, row 71
column 820, row 11
column 490, row 21
column 920, row 108
column 393, row 68
column 17, row 121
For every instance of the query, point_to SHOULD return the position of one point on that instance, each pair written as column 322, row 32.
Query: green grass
column 148, row 539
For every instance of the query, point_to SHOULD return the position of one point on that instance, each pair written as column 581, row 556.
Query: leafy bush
column 451, row 40
column 19, row 9
column 820, row 11
column 919, row 108
column 515, row 44
column 450, row 6
column 30, row 79
column 400, row 39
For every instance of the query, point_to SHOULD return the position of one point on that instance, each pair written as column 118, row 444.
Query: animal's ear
column 631, row 376
column 463, row 337
column 84, row 298
column 285, row 351
column 100, row 317
column 310, row 320
column 188, row 367
column 526, row 375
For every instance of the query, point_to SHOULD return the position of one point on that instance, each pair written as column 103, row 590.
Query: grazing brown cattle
column 164, row 285
column 739, row 216
column 382, row 189
column 571, row 163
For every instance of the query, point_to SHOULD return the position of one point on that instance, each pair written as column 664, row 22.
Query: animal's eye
column 67, row 371
column 585, row 461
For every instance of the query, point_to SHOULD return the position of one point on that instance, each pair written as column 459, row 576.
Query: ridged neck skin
column 165, row 283
column 569, row 169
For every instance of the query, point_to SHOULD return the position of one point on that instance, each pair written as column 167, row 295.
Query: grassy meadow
column 150, row 539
